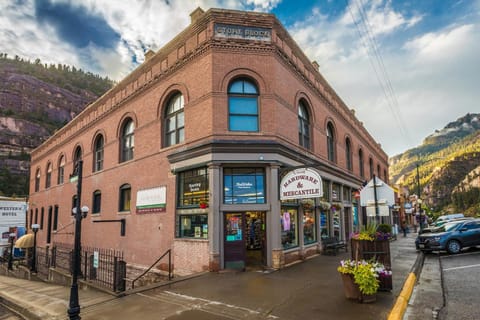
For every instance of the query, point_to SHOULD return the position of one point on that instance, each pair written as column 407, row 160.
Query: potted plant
column 360, row 279
column 203, row 204
column 307, row 203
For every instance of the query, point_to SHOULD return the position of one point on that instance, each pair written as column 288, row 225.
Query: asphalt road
column 461, row 280
column 447, row 288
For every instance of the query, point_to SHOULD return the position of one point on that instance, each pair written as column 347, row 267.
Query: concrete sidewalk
column 311, row 289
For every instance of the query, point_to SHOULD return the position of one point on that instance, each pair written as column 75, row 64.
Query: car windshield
column 451, row 225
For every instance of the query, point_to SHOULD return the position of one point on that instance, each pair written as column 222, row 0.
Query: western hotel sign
column 242, row 32
column 301, row 184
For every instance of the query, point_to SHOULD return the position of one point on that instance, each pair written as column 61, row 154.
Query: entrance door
column 255, row 243
column 234, row 241
column 244, row 241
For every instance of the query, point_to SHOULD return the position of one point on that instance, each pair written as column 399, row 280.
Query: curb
column 401, row 304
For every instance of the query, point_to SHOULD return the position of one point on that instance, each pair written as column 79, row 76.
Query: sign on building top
column 301, row 184
column 242, row 32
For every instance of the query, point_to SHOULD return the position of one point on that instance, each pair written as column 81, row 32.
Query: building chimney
column 196, row 14
column 149, row 54
column 316, row 65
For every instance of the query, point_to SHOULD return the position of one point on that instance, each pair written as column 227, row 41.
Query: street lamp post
column 79, row 213
column 11, row 237
column 35, row 228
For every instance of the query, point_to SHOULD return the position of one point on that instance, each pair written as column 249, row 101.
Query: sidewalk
column 308, row 290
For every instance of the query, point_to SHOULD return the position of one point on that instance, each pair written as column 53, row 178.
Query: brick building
column 190, row 148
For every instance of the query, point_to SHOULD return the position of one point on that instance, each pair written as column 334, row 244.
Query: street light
column 11, row 237
column 79, row 213
column 35, row 228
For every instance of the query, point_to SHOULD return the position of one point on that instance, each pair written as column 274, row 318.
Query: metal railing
column 169, row 252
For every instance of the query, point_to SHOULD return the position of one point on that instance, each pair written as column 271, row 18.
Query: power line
column 370, row 44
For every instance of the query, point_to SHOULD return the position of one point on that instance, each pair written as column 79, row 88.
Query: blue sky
column 406, row 67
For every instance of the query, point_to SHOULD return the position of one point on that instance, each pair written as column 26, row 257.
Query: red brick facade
column 200, row 64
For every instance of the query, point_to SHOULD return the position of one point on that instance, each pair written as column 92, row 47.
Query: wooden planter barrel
column 378, row 250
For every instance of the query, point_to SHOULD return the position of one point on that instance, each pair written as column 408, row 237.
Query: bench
column 331, row 245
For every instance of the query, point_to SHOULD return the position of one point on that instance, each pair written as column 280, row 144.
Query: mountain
column 448, row 166
column 35, row 100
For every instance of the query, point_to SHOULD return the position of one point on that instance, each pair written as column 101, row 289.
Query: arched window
column 348, row 154
column 77, row 156
column 48, row 177
column 360, row 163
column 378, row 170
column 61, row 170
column 124, row 198
column 37, row 180
column 242, row 106
column 174, row 121
column 98, row 154
column 303, row 125
column 330, row 142
column 97, row 201
column 127, row 141
column 370, row 165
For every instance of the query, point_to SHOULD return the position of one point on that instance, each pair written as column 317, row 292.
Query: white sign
column 301, row 184
column 383, row 211
column 95, row 259
column 152, row 200
column 384, row 193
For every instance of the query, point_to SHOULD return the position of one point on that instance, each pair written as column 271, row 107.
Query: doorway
column 245, row 240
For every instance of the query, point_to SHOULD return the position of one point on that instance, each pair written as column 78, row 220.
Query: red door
column 234, row 241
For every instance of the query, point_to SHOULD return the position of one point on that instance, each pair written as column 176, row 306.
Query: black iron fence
column 102, row 267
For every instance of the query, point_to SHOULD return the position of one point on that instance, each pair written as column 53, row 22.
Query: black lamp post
column 35, row 228
column 11, row 237
column 79, row 213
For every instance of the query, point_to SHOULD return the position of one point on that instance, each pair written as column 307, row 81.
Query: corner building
column 190, row 149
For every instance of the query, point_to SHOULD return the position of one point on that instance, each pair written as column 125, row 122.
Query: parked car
column 452, row 237
column 447, row 217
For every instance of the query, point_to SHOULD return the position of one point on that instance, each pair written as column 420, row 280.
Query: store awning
column 25, row 241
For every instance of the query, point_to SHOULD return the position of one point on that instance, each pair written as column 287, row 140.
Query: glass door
column 234, row 241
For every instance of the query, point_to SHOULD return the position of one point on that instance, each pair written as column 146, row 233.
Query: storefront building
column 191, row 149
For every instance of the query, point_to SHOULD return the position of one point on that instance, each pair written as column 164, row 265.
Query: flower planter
column 368, row 298
column 385, row 283
column 350, row 287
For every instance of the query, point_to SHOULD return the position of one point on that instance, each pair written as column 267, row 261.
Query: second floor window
column 242, row 106
column 303, row 126
column 98, row 156
column 348, row 154
column 174, row 121
column 330, row 142
column 61, row 170
column 127, row 141
column 48, row 178
column 37, row 181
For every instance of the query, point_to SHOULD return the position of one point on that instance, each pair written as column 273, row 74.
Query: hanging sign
column 301, row 184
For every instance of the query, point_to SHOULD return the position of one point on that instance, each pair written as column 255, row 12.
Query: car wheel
column 453, row 246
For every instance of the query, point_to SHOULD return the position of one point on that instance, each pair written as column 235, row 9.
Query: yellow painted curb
column 402, row 300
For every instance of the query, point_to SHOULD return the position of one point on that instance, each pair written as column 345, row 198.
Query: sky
column 407, row 67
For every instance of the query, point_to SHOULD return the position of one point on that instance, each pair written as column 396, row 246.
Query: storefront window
column 347, row 194
column 309, row 226
column 336, row 224
column 193, row 187
column 243, row 185
column 289, row 228
column 192, row 226
column 336, row 192
column 326, row 190
column 323, row 224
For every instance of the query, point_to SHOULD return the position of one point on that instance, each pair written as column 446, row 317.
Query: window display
column 244, row 185
column 289, row 228
column 193, row 187
column 309, row 227
column 192, row 226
